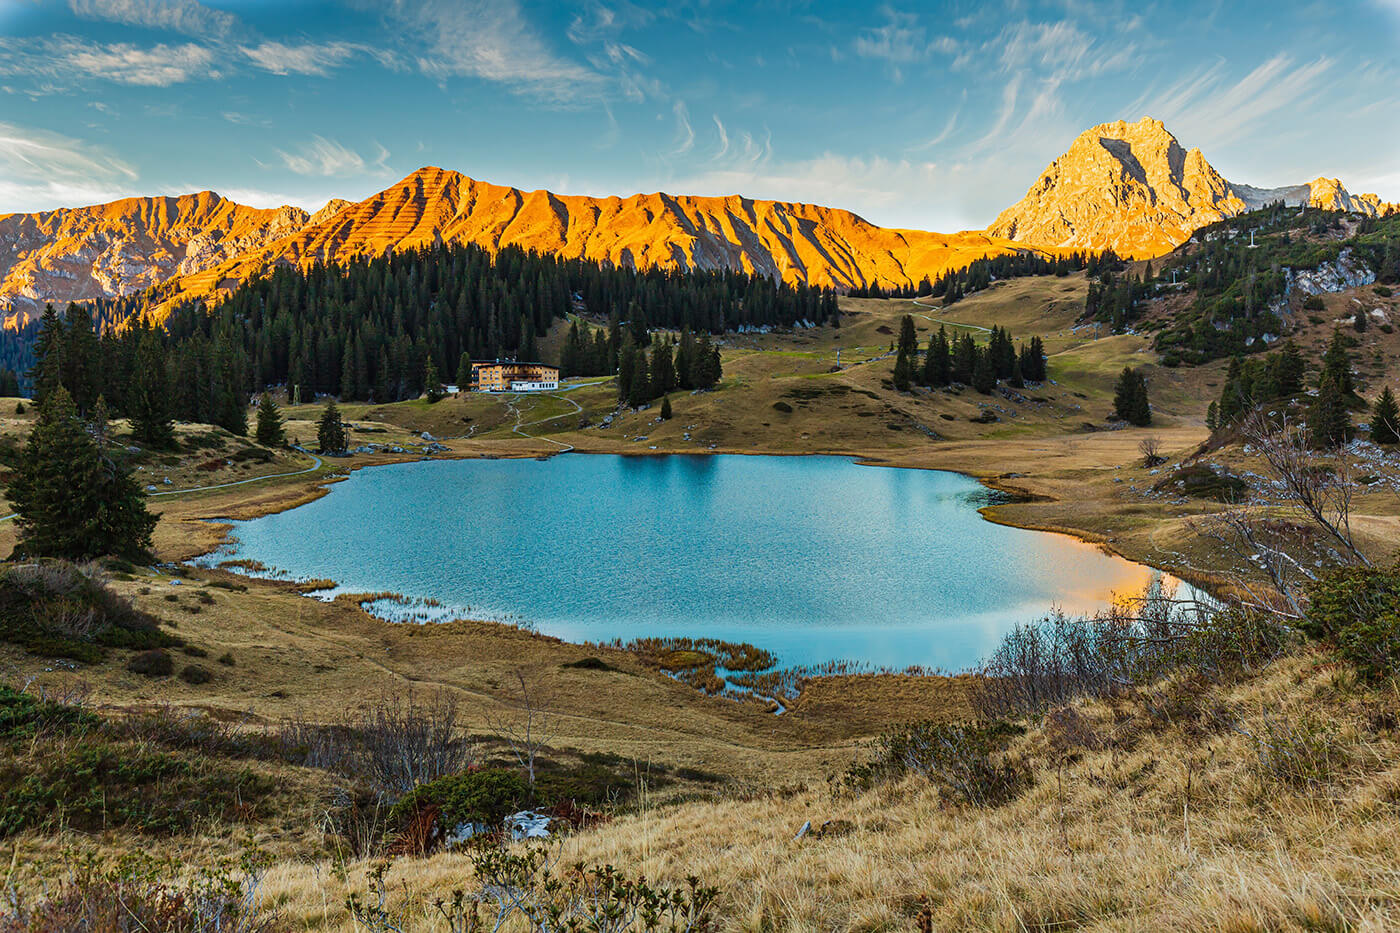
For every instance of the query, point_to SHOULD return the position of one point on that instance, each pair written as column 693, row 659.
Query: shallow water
column 814, row 558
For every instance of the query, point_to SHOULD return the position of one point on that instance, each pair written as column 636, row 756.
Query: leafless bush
column 1136, row 641
column 1289, row 543
column 396, row 743
column 1151, row 449
column 405, row 742
column 525, row 726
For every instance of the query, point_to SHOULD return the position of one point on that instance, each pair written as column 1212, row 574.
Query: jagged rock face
column 1129, row 187
column 115, row 249
column 1123, row 186
column 796, row 242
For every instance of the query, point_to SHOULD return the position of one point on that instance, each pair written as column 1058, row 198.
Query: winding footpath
column 985, row 330
column 242, row 482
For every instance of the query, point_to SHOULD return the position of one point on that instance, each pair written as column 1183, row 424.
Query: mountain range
column 1129, row 187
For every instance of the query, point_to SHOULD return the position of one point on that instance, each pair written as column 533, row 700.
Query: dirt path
column 511, row 407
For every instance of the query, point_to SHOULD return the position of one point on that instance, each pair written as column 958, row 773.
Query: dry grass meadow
column 1265, row 800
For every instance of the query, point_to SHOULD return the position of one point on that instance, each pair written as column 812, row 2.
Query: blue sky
column 924, row 115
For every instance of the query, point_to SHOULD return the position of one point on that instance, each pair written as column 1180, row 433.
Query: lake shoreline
column 315, row 486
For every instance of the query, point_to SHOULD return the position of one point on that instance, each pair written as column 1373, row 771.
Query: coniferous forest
column 374, row 329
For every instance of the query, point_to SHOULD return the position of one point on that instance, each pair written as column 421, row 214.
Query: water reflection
column 814, row 558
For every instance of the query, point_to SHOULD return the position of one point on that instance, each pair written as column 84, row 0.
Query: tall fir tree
column 148, row 401
column 73, row 500
column 1385, row 419
column 1130, row 402
column 937, row 361
column 331, row 435
column 47, row 372
column 270, row 431
column 984, row 373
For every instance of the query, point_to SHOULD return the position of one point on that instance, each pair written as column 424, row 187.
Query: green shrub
column 226, row 659
column 23, row 716
column 98, row 785
column 969, row 762
column 1303, row 752
column 57, row 609
column 1201, row 482
column 153, row 663
column 486, row 796
column 1384, row 291
column 1358, row 610
column 194, row 674
column 1314, row 303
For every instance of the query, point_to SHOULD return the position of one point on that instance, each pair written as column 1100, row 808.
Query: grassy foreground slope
column 1260, row 798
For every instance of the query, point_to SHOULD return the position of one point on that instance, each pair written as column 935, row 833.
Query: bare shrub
column 394, row 744
column 1136, row 641
column 968, row 762
column 1151, row 449
column 405, row 742
column 525, row 726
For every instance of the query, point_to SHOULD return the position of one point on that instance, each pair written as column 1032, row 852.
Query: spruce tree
column 984, row 375
column 666, row 408
column 938, row 363
column 148, row 401
column 47, row 371
column 74, row 501
column 269, row 432
column 626, row 368
column 639, row 389
column 1328, row 421
column 1130, row 401
column 663, row 370
column 1336, row 365
column 1385, row 419
column 432, row 385
column 464, row 372
column 331, row 435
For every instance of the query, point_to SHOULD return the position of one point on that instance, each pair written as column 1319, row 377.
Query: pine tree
column 148, row 402
column 1336, row 365
column 432, row 385
column 984, row 375
column 269, row 432
column 1130, row 401
column 663, row 370
column 1328, row 421
column 1385, row 419
column 47, row 371
column 331, row 435
column 666, row 408
column 464, row 372
column 937, row 362
column 626, row 368
column 964, row 359
column 639, row 389
column 74, row 501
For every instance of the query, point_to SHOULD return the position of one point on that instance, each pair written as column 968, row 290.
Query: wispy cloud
column 304, row 59
column 39, row 170
column 489, row 39
column 69, row 57
column 685, row 134
column 900, row 41
column 327, row 157
column 184, row 16
column 1205, row 106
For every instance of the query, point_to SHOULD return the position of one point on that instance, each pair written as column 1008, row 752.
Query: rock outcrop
column 1130, row 187
column 114, row 249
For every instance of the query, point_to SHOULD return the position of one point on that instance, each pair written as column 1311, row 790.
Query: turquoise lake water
column 813, row 558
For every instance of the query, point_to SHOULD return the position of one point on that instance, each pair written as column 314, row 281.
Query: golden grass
column 1170, row 826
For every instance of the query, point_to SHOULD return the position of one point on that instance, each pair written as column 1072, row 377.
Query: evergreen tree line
column 961, row 360
column 645, row 374
column 1282, row 375
column 382, row 329
column 956, row 284
column 1251, row 383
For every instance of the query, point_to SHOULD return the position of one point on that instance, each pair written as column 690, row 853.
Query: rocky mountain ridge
column 1130, row 187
